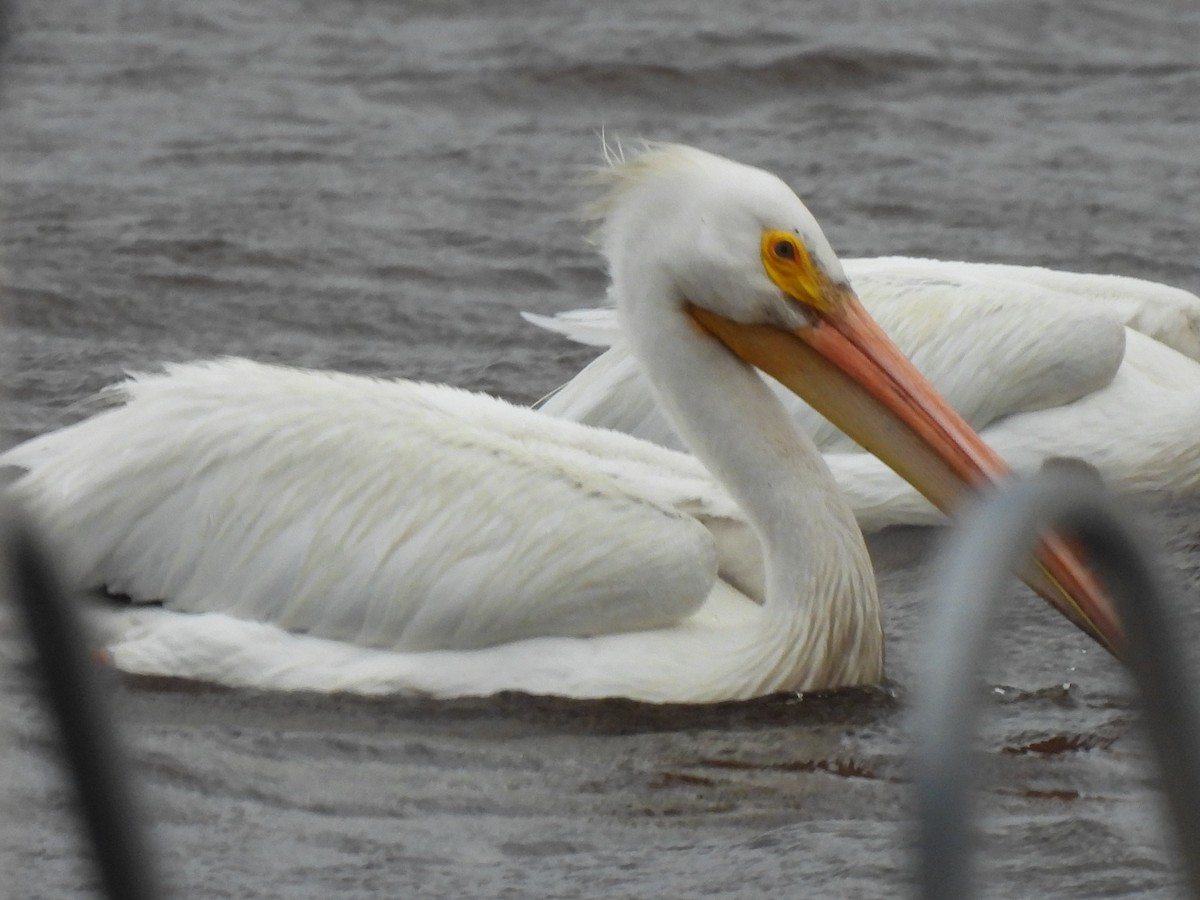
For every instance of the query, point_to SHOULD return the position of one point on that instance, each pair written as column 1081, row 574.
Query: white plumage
column 361, row 486
column 1042, row 363
column 307, row 530
column 320, row 531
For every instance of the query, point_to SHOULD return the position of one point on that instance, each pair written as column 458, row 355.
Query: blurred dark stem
column 81, row 711
column 983, row 552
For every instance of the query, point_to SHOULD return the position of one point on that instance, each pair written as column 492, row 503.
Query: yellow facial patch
column 791, row 268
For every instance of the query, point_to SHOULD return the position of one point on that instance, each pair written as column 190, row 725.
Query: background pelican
column 425, row 539
column 1042, row 363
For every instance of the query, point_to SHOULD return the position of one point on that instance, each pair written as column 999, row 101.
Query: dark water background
column 380, row 187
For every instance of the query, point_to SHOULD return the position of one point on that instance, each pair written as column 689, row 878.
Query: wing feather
column 993, row 340
column 1041, row 362
column 1139, row 432
column 388, row 514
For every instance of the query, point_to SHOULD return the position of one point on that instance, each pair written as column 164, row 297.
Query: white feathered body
column 417, row 538
column 1042, row 363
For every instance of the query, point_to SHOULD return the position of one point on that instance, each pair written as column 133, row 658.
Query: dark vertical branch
column 89, row 740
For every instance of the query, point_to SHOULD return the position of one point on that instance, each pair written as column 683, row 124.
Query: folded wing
column 383, row 513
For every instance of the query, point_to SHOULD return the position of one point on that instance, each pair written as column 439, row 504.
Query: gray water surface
column 381, row 187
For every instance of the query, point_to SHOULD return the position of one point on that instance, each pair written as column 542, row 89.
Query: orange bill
column 844, row 366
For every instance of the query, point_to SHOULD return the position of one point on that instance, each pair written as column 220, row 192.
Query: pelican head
column 741, row 256
column 728, row 237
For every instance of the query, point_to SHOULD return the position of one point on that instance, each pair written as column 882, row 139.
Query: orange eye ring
column 787, row 263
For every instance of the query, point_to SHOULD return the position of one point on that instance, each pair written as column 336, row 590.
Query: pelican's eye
column 787, row 263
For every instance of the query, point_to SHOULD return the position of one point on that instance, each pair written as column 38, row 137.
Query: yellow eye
column 784, row 249
column 788, row 264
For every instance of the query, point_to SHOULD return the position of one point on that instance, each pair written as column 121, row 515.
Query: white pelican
column 1042, row 363
column 322, row 531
